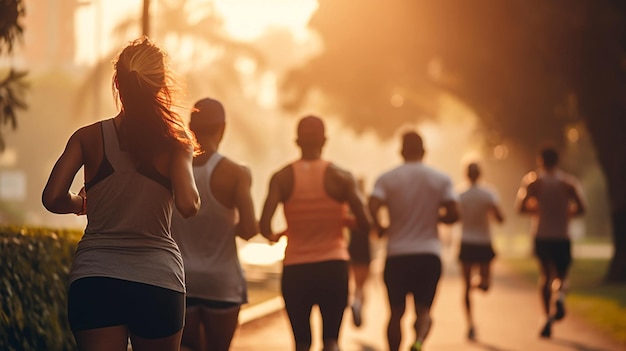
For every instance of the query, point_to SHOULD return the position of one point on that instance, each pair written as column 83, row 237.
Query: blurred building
column 49, row 34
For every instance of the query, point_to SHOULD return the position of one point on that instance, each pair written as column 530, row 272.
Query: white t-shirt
column 476, row 203
column 413, row 193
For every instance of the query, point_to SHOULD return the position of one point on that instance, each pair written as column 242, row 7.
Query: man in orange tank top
column 314, row 194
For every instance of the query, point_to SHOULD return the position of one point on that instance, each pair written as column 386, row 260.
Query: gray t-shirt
column 476, row 203
column 413, row 193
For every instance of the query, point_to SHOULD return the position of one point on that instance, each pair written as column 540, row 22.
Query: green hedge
column 33, row 294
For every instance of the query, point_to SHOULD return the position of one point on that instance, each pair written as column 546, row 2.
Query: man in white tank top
column 551, row 197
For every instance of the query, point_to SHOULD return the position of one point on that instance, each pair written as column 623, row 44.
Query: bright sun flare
column 243, row 19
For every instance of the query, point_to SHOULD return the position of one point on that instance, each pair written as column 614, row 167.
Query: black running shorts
column 148, row 311
column 359, row 248
column 212, row 304
column 476, row 253
column 321, row 283
column 415, row 274
column 556, row 252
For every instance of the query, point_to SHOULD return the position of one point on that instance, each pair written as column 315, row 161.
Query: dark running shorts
column 149, row 311
column 415, row 274
column 213, row 304
column 321, row 283
column 476, row 253
column 359, row 248
column 556, row 252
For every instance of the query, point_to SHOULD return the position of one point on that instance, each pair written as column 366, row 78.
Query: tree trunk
column 603, row 98
column 617, row 267
column 145, row 19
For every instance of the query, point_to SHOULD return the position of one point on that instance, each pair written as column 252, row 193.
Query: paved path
column 508, row 318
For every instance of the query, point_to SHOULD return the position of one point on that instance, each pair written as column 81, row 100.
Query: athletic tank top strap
column 119, row 159
column 105, row 169
column 112, row 147
column 203, row 176
column 212, row 163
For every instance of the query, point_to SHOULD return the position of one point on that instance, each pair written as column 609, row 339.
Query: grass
column 603, row 305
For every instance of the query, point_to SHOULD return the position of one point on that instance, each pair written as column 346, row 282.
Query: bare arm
column 186, row 197
column 269, row 208
column 579, row 205
column 374, row 205
column 451, row 212
column 56, row 196
column 527, row 199
column 497, row 213
column 357, row 207
column 247, row 226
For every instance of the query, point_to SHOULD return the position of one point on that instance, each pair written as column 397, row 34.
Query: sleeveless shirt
column 314, row 220
column 553, row 199
column 208, row 246
column 128, row 230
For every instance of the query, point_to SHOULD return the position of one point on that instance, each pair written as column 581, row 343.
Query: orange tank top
column 314, row 219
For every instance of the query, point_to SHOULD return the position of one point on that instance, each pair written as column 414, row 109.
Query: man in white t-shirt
column 552, row 197
column 478, row 205
column 417, row 198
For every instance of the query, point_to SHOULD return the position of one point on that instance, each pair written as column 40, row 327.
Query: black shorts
column 213, row 304
column 556, row 252
column 415, row 274
column 148, row 311
column 476, row 253
column 321, row 283
column 359, row 248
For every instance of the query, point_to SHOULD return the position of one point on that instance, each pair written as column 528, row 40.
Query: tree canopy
column 529, row 69
column 12, row 86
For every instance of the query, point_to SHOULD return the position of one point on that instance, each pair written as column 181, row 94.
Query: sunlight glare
column 573, row 135
column 397, row 100
column 248, row 19
column 501, row 152
column 243, row 19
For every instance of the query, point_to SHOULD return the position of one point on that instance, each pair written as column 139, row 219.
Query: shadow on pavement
column 489, row 347
column 574, row 345
column 364, row 347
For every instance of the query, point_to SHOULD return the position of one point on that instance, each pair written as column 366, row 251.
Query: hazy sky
column 244, row 19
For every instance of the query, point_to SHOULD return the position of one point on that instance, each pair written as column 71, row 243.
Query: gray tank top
column 207, row 243
column 128, row 230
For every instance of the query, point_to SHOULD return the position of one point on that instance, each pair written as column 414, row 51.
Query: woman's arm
column 186, row 197
column 56, row 196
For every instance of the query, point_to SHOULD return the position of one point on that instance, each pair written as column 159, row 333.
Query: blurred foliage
column 179, row 26
column 33, row 288
column 12, row 87
column 529, row 70
column 516, row 63
column 10, row 27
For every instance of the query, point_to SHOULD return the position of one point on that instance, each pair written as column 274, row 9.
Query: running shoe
column 471, row 334
column 546, row 332
column 356, row 313
column 560, row 308
column 417, row 346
